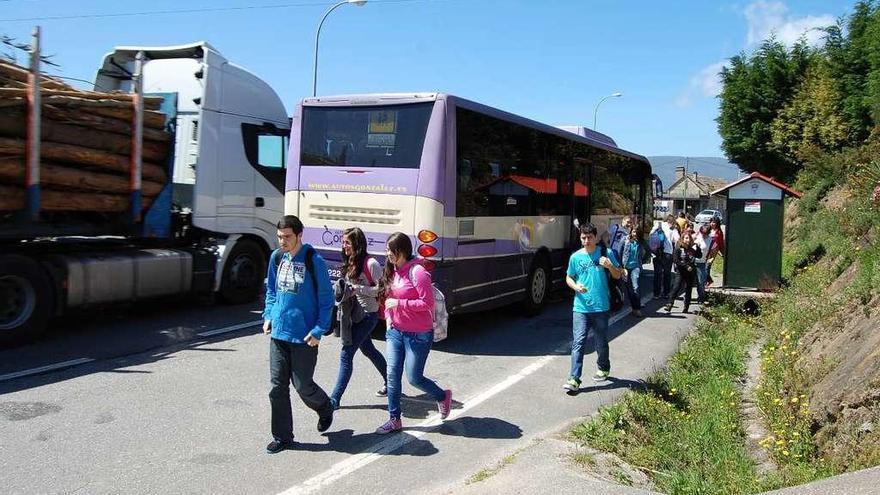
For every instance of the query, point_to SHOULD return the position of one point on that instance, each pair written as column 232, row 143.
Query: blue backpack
column 657, row 240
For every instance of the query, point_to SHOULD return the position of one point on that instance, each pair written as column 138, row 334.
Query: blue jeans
column 702, row 275
column 409, row 349
column 597, row 325
column 632, row 287
column 360, row 339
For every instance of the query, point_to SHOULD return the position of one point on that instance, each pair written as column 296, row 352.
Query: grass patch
column 487, row 473
column 683, row 429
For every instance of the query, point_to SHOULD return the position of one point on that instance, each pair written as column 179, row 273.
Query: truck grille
column 353, row 214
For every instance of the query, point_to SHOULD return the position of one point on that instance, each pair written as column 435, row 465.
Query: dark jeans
column 632, row 287
column 596, row 326
column 360, row 339
column 662, row 274
column 686, row 281
column 289, row 362
column 409, row 350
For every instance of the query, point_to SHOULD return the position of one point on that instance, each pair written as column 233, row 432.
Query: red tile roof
column 757, row 175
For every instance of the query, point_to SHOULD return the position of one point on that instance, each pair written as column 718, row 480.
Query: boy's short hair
column 291, row 222
column 588, row 228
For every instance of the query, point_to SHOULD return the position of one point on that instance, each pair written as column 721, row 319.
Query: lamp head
column 617, row 94
column 359, row 3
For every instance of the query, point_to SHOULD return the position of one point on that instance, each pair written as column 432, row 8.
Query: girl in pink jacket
column 409, row 310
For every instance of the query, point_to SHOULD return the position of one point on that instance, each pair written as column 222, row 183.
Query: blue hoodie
column 293, row 305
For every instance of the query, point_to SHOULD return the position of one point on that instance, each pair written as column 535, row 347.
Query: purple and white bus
column 488, row 197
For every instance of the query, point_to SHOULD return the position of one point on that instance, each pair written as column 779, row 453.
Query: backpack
column 656, row 240
column 366, row 271
column 440, row 316
column 310, row 268
column 615, row 288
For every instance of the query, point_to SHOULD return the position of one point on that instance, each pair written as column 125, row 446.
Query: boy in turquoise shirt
column 586, row 276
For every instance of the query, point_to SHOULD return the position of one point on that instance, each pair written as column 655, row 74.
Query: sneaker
column 334, row 403
column 601, row 376
column 668, row 308
column 445, row 405
column 390, row 426
column 572, row 384
column 277, row 446
column 382, row 392
column 324, row 422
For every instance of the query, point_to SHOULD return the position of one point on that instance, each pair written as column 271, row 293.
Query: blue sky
column 549, row 60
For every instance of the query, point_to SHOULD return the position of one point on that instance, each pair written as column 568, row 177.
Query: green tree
column 755, row 89
column 812, row 119
column 853, row 55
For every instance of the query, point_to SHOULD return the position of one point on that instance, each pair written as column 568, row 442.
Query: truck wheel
column 537, row 288
column 27, row 300
column 243, row 273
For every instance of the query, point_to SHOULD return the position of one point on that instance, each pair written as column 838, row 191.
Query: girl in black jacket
column 684, row 256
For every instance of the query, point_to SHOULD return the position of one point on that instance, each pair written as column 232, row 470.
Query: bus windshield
column 378, row 137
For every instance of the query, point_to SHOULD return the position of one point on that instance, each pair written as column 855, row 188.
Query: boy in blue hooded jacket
column 299, row 301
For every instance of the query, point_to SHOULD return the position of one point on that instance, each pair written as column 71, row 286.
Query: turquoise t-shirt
column 585, row 269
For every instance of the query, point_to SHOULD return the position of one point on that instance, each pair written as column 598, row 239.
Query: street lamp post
column 596, row 111
column 359, row 3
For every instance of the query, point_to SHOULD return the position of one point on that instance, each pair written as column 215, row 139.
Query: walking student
column 686, row 254
column 587, row 277
column 634, row 252
column 357, row 292
column 704, row 241
column 299, row 301
column 409, row 305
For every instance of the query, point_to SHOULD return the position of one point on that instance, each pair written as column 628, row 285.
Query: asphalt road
column 162, row 409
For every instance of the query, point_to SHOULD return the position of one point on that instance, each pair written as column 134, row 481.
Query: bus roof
column 371, row 99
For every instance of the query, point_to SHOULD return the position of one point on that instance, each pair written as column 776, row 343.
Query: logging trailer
column 166, row 180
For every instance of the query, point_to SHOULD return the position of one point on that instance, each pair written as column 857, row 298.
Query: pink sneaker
column 445, row 405
column 390, row 426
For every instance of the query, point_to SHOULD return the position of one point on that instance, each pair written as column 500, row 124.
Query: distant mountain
column 709, row 166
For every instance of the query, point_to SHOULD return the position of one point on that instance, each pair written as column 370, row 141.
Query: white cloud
column 705, row 83
column 767, row 18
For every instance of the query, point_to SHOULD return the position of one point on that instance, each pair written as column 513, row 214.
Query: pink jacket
column 415, row 309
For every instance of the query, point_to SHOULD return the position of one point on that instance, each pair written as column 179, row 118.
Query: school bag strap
column 366, row 271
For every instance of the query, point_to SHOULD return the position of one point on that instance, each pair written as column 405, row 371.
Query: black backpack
column 310, row 268
column 615, row 288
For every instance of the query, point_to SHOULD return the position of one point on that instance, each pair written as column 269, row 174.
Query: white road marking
column 43, row 369
column 398, row 440
column 231, row 328
column 79, row 361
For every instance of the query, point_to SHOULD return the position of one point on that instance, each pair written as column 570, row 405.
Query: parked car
column 706, row 215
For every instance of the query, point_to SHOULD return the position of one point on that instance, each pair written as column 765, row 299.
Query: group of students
column 619, row 255
column 298, row 312
column 678, row 244
column 300, row 300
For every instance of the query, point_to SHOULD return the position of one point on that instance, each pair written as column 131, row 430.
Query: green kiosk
column 753, row 251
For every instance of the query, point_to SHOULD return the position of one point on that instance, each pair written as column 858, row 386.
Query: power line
column 188, row 11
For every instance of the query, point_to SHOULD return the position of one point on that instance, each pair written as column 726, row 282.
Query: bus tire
column 27, row 300
column 537, row 287
column 243, row 273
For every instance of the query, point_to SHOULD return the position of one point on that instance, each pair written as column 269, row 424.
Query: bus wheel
column 243, row 273
column 537, row 288
column 27, row 300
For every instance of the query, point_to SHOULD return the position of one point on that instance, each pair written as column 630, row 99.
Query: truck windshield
column 377, row 136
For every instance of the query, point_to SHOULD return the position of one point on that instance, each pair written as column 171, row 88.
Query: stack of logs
column 85, row 146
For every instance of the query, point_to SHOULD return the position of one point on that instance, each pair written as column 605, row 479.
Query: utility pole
column 685, row 205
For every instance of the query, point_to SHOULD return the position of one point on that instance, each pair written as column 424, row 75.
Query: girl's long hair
column 399, row 244
column 353, row 266
column 681, row 240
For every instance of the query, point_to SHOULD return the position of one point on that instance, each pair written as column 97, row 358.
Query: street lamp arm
column 596, row 110
column 317, row 37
